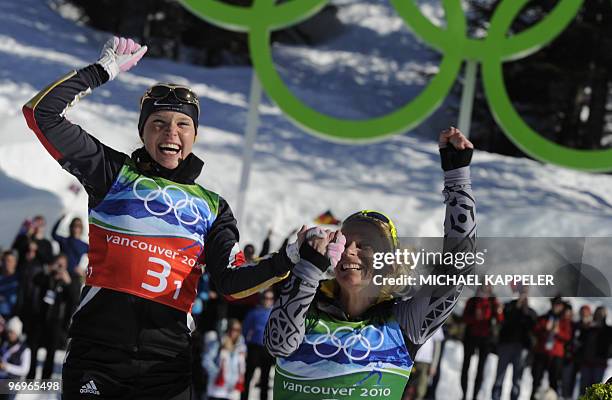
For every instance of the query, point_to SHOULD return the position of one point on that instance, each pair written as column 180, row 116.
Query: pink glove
column 335, row 249
column 119, row 55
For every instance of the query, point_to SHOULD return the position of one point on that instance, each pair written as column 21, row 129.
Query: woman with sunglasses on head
column 152, row 232
column 347, row 338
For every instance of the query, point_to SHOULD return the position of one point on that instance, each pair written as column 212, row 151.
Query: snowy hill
column 374, row 67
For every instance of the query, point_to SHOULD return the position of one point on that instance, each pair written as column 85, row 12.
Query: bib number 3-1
column 162, row 277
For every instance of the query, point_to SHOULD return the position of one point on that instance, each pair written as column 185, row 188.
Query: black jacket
column 518, row 324
column 56, row 299
column 119, row 319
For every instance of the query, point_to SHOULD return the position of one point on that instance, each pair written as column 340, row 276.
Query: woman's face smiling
column 354, row 271
column 168, row 137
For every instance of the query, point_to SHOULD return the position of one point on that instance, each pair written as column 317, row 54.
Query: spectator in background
column 425, row 367
column 553, row 330
column 224, row 361
column 34, row 231
column 14, row 354
column 480, row 315
column 72, row 246
column 257, row 355
column 29, row 258
column 249, row 249
column 58, row 295
column 594, row 344
column 27, row 298
column 514, row 343
column 8, row 284
column 573, row 357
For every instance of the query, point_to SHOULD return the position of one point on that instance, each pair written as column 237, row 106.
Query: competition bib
column 341, row 360
column 147, row 238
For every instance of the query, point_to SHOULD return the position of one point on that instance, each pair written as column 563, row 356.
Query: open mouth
column 169, row 148
column 350, row 267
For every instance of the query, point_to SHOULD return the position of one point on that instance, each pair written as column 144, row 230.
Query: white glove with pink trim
column 119, row 55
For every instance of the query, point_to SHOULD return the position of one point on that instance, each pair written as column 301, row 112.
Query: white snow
column 373, row 68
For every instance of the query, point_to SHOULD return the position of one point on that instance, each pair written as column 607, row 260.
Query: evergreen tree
column 563, row 90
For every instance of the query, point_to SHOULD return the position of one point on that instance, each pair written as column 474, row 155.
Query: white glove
column 119, row 55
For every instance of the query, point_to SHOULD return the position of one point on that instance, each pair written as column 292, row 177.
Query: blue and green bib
column 345, row 360
column 147, row 237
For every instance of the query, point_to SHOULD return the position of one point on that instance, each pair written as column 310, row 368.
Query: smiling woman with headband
column 347, row 338
column 153, row 232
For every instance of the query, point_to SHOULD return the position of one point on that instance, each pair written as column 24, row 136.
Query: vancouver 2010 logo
column 265, row 16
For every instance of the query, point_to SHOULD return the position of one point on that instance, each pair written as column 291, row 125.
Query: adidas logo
column 90, row 388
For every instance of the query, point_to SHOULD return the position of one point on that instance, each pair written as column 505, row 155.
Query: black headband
column 169, row 103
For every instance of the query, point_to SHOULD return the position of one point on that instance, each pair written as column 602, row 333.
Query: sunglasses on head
column 163, row 90
column 382, row 218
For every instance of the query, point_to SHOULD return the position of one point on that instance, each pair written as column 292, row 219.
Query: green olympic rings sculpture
column 452, row 41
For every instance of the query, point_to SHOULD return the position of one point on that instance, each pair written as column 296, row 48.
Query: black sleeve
column 285, row 243
column 91, row 162
column 451, row 158
column 223, row 260
column 54, row 234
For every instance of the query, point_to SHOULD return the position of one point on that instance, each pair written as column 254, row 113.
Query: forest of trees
column 562, row 91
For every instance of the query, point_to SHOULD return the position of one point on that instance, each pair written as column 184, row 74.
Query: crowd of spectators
column 39, row 288
column 555, row 344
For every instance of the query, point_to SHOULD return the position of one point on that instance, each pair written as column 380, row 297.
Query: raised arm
column 54, row 234
column 265, row 246
column 92, row 163
column 421, row 315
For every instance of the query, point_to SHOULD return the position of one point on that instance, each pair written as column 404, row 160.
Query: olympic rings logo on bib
column 350, row 340
column 162, row 196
